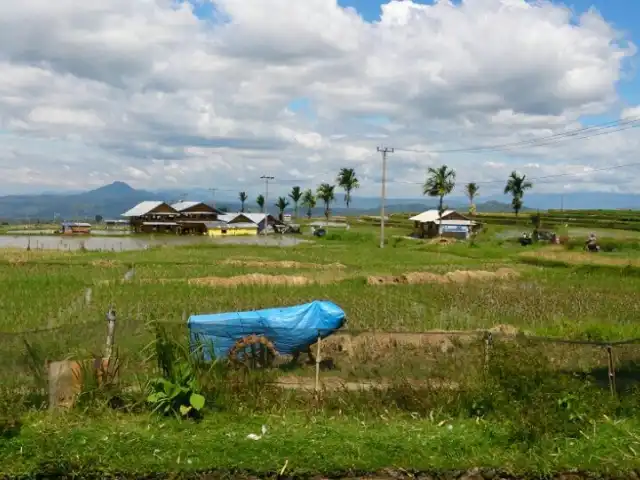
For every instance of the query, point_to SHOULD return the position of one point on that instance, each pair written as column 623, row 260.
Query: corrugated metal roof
column 455, row 222
column 227, row 217
column 212, row 225
column 182, row 206
column 75, row 224
column 160, row 224
column 243, row 225
column 142, row 209
column 254, row 217
column 430, row 216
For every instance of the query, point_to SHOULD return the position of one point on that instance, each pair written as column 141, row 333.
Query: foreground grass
column 306, row 444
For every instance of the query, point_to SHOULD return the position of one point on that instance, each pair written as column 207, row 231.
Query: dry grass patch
column 19, row 256
column 580, row 258
column 280, row 264
column 382, row 342
column 252, row 279
column 105, row 263
column 458, row 276
column 330, row 384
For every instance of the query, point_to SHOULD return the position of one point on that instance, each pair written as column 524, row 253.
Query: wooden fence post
column 111, row 328
column 612, row 370
column 319, row 344
column 488, row 343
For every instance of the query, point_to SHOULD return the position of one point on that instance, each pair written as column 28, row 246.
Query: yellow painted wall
column 232, row 232
column 245, row 231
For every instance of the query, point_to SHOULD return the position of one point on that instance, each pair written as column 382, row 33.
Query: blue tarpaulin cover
column 290, row 329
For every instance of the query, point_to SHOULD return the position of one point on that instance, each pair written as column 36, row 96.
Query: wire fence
column 347, row 358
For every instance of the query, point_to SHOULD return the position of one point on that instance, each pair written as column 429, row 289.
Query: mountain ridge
column 110, row 201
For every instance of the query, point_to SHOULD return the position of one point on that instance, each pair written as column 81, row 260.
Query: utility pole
column 213, row 195
column 265, row 208
column 383, row 193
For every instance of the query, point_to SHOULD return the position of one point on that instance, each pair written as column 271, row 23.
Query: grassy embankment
column 586, row 220
column 532, row 408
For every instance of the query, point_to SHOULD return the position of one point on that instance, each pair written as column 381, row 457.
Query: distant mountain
column 110, row 201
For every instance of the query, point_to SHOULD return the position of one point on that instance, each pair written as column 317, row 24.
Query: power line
column 213, row 196
column 544, row 177
column 578, row 134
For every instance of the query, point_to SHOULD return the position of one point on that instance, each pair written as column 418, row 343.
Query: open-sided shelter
column 451, row 224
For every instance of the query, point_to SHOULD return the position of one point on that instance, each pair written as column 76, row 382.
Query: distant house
column 153, row 217
column 196, row 211
column 75, row 228
column 452, row 224
column 109, row 224
column 261, row 220
column 193, row 216
column 239, row 225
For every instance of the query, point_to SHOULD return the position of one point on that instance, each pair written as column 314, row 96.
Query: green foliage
column 516, row 186
column 536, row 221
column 348, row 181
column 471, row 190
column 177, row 396
column 440, row 183
column 326, row 193
column 296, row 196
column 243, row 197
column 349, row 236
column 309, row 201
column 178, row 390
column 260, row 201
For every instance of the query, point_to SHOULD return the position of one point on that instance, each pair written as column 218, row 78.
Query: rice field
column 40, row 288
column 382, row 370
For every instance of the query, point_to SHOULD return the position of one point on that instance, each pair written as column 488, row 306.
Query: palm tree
column 326, row 193
column 440, row 182
column 516, row 186
column 348, row 181
column 471, row 190
column 295, row 195
column 281, row 204
column 260, row 202
column 243, row 197
column 309, row 201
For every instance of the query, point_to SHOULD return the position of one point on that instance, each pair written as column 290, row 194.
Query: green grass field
column 525, row 407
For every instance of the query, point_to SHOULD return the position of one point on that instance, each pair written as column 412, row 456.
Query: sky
column 178, row 94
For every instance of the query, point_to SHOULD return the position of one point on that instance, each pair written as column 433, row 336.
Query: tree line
column 442, row 180
column 439, row 183
column 308, row 199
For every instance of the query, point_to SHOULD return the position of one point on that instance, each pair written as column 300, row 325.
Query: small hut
column 451, row 224
column 75, row 228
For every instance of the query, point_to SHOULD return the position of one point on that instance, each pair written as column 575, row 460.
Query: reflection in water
column 121, row 244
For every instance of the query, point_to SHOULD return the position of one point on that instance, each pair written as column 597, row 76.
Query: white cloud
column 146, row 92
